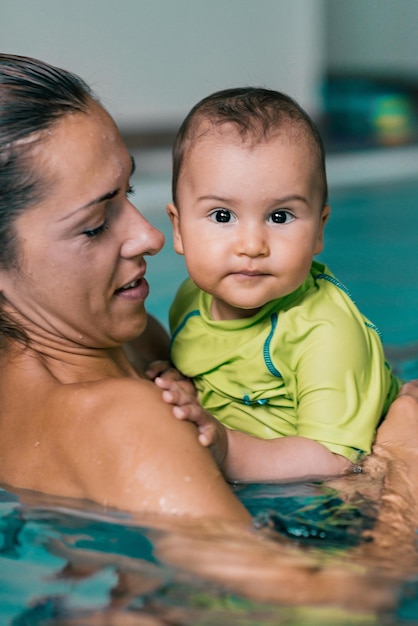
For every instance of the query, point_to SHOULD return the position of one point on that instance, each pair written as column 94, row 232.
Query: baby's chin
column 222, row 310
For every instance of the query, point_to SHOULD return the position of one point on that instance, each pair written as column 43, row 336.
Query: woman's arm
column 399, row 429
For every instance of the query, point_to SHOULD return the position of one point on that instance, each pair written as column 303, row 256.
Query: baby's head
column 249, row 198
column 255, row 114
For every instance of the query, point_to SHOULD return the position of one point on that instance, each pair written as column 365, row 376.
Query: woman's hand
column 410, row 389
column 400, row 426
column 181, row 394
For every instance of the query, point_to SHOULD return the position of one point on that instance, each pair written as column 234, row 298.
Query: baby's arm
column 247, row 458
column 252, row 459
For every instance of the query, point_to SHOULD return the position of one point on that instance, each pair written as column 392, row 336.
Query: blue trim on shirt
column 195, row 313
column 337, row 283
column 247, row 401
column 266, row 348
column 373, row 327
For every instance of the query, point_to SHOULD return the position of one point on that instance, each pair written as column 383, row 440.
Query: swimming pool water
column 62, row 563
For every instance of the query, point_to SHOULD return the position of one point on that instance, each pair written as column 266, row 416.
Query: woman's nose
column 141, row 236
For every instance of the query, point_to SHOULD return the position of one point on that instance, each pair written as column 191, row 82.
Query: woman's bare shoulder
column 133, row 454
column 108, row 395
column 115, row 414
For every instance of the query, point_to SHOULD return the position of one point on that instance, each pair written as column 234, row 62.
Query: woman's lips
column 136, row 290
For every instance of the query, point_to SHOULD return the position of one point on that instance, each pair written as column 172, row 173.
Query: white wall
column 151, row 60
column 377, row 35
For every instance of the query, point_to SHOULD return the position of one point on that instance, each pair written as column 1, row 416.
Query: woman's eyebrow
column 106, row 196
column 110, row 194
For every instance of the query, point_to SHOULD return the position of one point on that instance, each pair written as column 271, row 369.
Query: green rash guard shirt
column 307, row 364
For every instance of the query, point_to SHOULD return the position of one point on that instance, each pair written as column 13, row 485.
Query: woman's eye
column 281, row 217
column 131, row 190
column 95, row 232
column 222, row 216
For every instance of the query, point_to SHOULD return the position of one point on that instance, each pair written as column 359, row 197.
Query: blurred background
column 351, row 63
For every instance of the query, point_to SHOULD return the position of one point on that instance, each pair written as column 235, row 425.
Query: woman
column 76, row 418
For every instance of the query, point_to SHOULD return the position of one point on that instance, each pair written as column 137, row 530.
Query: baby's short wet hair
column 257, row 114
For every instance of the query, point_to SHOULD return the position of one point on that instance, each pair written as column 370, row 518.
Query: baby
column 276, row 348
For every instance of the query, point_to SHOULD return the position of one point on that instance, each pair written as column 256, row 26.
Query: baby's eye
column 222, row 216
column 281, row 217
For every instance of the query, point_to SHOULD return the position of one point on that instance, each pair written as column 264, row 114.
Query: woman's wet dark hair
column 256, row 113
column 33, row 97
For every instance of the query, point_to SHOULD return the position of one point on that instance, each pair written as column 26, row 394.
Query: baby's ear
column 326, row 210
column 173, row 214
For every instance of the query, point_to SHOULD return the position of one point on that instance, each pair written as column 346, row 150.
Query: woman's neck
column 71, row 364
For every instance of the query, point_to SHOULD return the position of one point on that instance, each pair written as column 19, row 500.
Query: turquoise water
column 44, row 549
column 60, row 562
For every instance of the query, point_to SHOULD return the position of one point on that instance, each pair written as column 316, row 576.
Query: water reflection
column 326, row 555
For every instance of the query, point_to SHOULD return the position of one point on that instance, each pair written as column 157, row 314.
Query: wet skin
column 76, row 418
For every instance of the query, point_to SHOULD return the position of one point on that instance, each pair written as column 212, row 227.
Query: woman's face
column 80, row 277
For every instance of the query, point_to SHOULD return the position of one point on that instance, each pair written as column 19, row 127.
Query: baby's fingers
column 157, row 368
column 175, row 392
column 183, row 385
column 194, row 413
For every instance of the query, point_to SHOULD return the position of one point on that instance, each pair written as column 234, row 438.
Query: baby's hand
column 186, row 406
column 162, row 368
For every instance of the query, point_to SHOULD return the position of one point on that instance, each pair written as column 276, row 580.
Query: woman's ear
column 173, row 214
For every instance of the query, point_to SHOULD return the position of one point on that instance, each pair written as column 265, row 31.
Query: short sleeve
column 341, row 384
